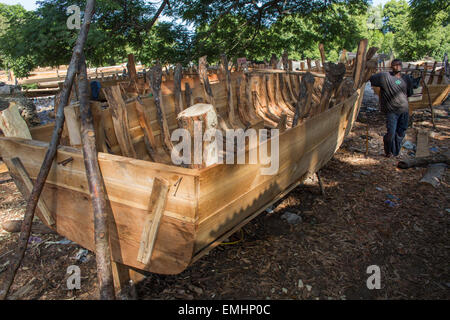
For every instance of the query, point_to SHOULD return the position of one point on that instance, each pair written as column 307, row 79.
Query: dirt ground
column 371, row 214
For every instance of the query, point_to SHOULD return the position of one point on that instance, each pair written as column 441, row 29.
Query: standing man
column 395, row 90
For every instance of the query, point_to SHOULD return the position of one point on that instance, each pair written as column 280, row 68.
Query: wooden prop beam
column 51, row 152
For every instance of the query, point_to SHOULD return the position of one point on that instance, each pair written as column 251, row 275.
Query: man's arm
column 375, row 80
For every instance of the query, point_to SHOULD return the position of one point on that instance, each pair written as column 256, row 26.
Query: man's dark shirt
column 394, row 91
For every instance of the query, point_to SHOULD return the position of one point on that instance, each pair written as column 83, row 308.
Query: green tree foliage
column 239, row 28
column 425, row 12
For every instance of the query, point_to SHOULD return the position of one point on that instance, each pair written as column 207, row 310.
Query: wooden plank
column 3, row 168
column 360, row 65
column 120, row 120
column 97, row 115
column 73, row 121
column 158, row 201
column 20, row 170
column 12, row 123
column 422, row 144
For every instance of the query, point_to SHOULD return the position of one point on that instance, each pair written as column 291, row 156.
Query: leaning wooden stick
column 96, row 188
column 51, row 152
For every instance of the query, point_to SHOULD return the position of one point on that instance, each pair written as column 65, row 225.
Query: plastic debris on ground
column 409, row 145
column 390, row 203
column 291, row 218
column 81, row 255
column 33, row 239
column 434, row 149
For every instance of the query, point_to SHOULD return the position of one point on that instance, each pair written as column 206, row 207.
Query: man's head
column 396, row 66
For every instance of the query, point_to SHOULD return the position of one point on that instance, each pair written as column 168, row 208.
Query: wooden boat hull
column 438, row 94
column 203, row 205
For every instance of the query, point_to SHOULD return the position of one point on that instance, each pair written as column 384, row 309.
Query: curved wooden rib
column 241, row 103
column 246, row 93
column 203, row 72
column 155, row 84
column 270, row 94
column 257, row 84
column 283, row 93
column 303, row 106
column 232, row 118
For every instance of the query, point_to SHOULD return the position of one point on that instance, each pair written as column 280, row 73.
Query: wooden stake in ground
column 51, row 152
column 96, row 188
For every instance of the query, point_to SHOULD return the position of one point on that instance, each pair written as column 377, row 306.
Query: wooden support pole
column 430, row 103
column 96, row 187
column 51, row 152
column 322, row 189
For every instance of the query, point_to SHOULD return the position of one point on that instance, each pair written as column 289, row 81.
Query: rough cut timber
column 12, row 123
column 120, row 120
column 433, row 175
column 201, row 122
column 422, row 144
